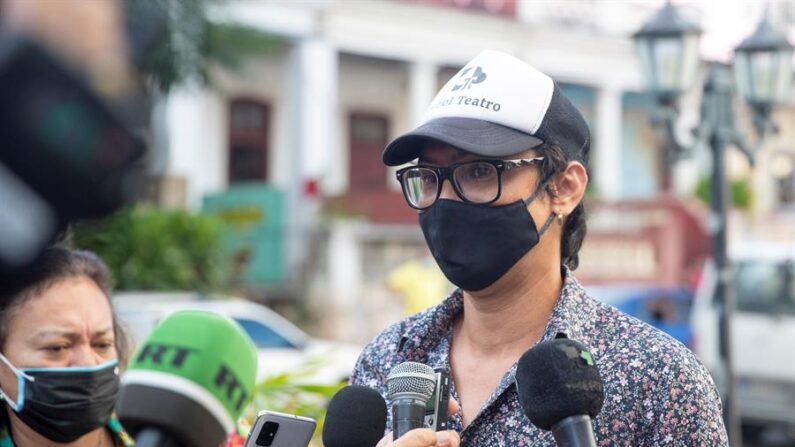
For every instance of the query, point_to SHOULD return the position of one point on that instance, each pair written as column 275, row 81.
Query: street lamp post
column 668, row 49
column 763, row 68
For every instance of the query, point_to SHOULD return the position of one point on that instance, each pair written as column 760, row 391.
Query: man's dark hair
column 555, row 162
column 56, row 264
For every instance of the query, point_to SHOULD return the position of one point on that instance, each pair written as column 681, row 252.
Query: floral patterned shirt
column 657, row 393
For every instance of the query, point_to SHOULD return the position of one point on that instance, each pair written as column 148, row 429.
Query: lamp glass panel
column 667, row 56
column 690, row 59
column 643, row 45
column 784, row 78
column 764, row 71
column 742, row 75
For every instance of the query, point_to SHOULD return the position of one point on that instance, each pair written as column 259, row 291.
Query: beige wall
column 762, row 175
column 369, row 85
column 264, row 78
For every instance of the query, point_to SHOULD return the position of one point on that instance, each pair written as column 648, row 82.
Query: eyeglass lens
column 477, row 182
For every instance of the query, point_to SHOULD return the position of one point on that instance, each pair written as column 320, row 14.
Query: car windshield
column 263, row 336
column 765, row 286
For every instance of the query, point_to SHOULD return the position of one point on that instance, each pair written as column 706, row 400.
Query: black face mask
column 475, row 245
column 63, row 404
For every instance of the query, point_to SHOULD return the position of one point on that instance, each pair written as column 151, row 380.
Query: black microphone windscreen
column 356, row 417
column 556, row 379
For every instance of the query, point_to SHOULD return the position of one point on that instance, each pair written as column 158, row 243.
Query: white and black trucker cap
column 496, row 106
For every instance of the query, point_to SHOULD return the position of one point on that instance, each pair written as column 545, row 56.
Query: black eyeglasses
column 478, row 181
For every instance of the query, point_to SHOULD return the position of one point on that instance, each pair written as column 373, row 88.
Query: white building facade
column 310, row 119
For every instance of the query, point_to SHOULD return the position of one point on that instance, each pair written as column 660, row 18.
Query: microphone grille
column 411, row 378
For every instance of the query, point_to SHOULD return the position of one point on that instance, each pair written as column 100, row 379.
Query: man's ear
column 569, row 187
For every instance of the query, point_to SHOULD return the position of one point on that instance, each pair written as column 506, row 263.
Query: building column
column 195, row 161
column 318, row 66
column 607, row 153
column 345, row 316
column 312, row 151
column 422, row 88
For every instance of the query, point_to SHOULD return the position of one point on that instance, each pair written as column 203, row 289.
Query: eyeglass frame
column 446, row 173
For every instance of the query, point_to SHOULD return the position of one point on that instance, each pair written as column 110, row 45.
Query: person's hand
column 425, row 437
column 422, row 437
column 89, row 35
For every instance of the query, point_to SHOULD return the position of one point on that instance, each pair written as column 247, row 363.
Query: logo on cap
column 476, row 77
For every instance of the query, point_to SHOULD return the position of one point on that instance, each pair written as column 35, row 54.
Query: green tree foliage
column 741, row 194
column 295, row 393
column 180, row 40
column 153, row 249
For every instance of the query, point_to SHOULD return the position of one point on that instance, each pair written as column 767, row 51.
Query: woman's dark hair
column 555, row 162
column 55, row 264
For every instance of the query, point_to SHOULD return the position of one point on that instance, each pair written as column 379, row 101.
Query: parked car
column 762, row 332
column 664, row 307
column 282, row 346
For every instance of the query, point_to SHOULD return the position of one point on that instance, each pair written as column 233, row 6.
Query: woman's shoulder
column 120, row 436
column 5, row 436
column 395, row 344
column 371, row 367
column 635, row 354
column 388, row 341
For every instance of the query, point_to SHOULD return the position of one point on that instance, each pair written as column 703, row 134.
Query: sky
column 727, row 22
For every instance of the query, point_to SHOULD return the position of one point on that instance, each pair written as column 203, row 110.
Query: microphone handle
column 574, row 431
column 407, row 414
column 153, row 437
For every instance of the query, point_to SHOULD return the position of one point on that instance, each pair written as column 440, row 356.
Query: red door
column 368, row 192
column 368, row 136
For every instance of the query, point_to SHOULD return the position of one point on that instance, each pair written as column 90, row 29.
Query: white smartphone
column 272, row 429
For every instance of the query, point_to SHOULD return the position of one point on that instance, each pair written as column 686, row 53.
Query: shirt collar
column 568, row 317
column 571, row 312
column 430, row 332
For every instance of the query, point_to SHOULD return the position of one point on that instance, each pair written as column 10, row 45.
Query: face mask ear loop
column 549, row 221
column 527, row 201
column 541, row 187
column 21, row 376
column 16, row 370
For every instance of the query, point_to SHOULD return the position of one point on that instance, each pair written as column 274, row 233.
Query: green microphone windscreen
column 191, row 379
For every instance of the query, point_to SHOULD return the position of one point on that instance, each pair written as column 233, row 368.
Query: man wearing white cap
column 498, row 176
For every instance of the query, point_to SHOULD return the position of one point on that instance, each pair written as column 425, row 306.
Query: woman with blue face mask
column 60, row 354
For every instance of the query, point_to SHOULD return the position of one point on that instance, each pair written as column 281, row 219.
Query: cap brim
column 471, row 135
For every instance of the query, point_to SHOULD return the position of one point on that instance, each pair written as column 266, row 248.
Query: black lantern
column 668, row 49
column 763, row 67
column 763, row 73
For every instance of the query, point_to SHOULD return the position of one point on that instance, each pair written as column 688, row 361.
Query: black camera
column 268, row 433
column 64, row 154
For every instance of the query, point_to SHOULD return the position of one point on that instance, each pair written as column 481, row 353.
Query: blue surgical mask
column 63, row 404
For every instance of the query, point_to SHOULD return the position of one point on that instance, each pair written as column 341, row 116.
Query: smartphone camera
column 268, row 433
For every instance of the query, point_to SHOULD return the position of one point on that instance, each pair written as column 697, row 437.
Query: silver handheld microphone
column 410, row 385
